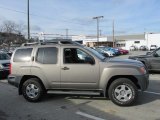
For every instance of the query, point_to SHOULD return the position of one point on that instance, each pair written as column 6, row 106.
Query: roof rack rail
column 49, row 42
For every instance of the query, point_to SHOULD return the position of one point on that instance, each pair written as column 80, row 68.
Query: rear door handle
column 65, row 68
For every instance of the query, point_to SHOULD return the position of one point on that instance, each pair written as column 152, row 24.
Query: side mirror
column 89, row 60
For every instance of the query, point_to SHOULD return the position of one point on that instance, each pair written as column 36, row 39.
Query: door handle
column 65, row 68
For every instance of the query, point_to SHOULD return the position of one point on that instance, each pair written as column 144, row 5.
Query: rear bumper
column 4, row 74
column 14, row 80
column 143, row 81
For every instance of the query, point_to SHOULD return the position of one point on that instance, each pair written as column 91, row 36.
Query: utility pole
column 100, row 32
column 66, row 33
column 113, row 33
column 28, row 20
column 97, row 18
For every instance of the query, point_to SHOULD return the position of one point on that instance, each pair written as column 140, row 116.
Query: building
column 91, row 40
column 125, row 41
column 122, row 41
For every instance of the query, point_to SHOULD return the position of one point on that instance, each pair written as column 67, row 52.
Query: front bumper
column 143, row 81
column 14, row 80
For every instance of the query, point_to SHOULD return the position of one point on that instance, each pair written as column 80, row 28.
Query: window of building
column 136, row 41
column 23, row 55
column 47, row 55
column 120, row 45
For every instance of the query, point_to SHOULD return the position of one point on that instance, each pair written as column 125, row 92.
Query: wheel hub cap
column 123, row 93
column 32, row 90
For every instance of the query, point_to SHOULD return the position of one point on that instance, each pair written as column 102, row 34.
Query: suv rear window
column 22, row 55
column 47, row 55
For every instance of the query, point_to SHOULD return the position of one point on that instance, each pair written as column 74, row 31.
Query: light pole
column 113, row 33
column 67, row 33
column 97, row 18
column 28, row 19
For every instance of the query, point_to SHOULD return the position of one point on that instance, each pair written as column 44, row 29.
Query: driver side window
column 77, row 56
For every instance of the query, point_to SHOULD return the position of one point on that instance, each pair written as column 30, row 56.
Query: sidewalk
column 4, row 81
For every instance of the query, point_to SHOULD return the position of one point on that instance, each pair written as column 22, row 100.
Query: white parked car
column 132, row 48
column 153, row 47
column 110, row 53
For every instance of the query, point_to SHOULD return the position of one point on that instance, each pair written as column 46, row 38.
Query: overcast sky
column 54, row 16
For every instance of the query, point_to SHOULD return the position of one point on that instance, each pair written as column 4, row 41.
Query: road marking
column 152, row 92
column 89, row 116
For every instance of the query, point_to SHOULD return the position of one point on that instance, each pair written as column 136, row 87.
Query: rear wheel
column 32, row 90
column 123, row 92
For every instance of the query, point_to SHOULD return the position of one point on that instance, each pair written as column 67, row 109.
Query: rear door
column 47, row 66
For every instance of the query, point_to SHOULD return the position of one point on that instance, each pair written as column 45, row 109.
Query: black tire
column 32, row 90
column 123, row 92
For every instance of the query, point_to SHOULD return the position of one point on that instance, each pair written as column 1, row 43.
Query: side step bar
column 74, row 92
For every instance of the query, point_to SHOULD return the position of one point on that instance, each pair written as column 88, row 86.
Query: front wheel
column 123, row 92
column 32, row 90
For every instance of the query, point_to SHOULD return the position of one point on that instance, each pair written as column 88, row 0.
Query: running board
column 74, row 92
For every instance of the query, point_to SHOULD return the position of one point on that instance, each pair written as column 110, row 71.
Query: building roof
column 127, row 37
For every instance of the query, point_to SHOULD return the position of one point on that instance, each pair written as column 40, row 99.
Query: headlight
column 143, row 70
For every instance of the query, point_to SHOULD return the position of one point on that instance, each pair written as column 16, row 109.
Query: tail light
column 10, row 69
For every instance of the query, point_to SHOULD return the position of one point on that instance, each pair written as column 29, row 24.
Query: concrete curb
column 4, row 81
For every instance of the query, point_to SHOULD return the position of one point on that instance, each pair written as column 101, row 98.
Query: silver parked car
column 70, row 68
column 4, row 65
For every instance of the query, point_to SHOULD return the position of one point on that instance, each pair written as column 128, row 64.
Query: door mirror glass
column 89, row 60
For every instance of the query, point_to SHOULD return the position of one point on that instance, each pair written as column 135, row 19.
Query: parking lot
column 63, row 107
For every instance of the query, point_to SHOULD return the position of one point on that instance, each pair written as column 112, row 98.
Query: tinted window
column 47, row 55
column 23, row 55
column 73, row 55
column 4, row 56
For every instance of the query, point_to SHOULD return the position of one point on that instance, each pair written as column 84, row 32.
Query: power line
column 44, row 17
column 97, row 18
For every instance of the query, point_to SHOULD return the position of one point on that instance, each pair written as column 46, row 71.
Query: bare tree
column 8, row 26
column 20, row 28
column 11, row 33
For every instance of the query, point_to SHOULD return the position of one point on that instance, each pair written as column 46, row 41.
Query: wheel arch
column 130, row 77
column 25, row 78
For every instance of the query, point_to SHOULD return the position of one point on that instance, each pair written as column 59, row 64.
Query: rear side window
column 47, row 55
column 22, row 55
column 4, row 56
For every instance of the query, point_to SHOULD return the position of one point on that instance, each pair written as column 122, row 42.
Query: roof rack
column 50, row 42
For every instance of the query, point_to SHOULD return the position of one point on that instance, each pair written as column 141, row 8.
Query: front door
column 79, row 70
column 155, row 60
